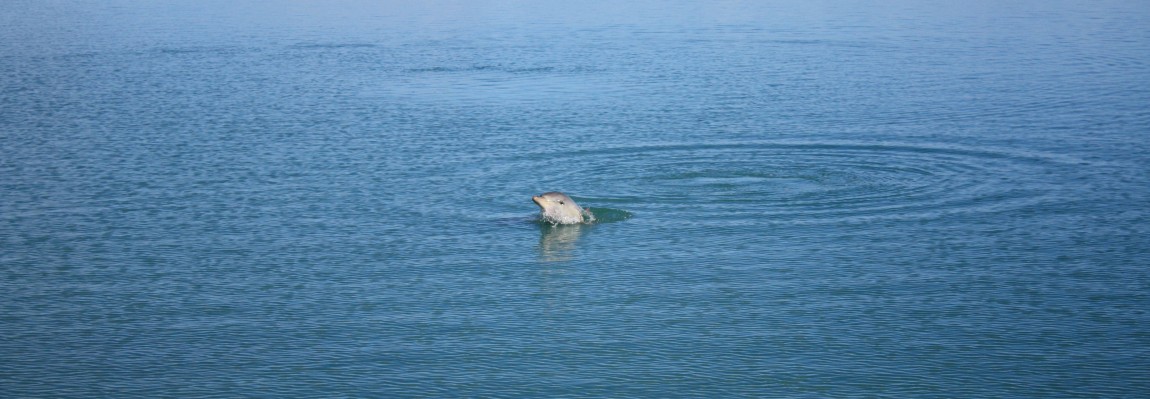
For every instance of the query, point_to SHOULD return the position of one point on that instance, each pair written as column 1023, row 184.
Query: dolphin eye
column 561, row 202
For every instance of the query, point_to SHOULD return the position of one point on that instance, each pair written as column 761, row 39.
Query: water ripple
column 805, row 182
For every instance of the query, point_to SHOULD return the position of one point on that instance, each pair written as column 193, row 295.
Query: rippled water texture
column 795, row 199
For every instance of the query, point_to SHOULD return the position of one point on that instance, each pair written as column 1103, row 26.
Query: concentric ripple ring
column 805, row 182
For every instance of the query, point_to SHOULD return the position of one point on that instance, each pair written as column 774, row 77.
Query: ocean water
column 794, row 199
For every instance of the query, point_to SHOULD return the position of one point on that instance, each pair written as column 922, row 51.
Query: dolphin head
column 558, row 208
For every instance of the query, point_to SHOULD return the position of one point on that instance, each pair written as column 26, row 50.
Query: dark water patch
column 333, row 46
column 609, row 215
column 199, row 50
column 452, row 69
column 483, row 68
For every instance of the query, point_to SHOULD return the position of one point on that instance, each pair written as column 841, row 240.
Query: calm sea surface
column 795, row 199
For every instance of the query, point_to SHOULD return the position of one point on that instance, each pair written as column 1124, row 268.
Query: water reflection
column 557, row 242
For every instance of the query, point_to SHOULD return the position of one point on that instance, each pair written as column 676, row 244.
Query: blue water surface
column 794, row 199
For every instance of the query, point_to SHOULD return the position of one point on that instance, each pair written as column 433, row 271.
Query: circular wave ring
column 803, row 182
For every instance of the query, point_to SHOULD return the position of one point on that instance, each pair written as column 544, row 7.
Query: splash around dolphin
column 557, row 208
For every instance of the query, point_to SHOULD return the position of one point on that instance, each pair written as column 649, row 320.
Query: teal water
column 796, row 199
